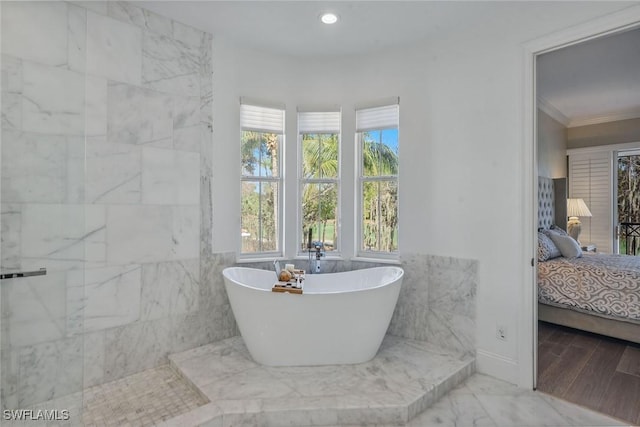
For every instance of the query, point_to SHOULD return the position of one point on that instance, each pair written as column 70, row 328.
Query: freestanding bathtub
column 341, row 318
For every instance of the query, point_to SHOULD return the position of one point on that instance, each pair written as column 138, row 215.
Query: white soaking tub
column 341, row 318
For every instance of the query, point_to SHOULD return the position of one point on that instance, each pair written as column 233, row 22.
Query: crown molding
column 632, row 113
column 552, row 111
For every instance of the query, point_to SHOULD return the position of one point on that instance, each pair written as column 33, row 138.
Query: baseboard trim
column 497, row 366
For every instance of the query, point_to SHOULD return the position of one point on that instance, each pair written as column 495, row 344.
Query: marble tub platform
column 404, row 379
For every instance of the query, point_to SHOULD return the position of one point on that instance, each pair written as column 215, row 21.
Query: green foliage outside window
column 260, row 188
column 319, row 199
column 260, row 157
column 629, row 199
column 380, row 190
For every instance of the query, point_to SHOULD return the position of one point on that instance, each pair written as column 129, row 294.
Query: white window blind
column 261, row 119
column 384, row 117
column 319, row 122
column 590, row 178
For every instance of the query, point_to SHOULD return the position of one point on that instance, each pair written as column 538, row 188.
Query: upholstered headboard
column 546, row 204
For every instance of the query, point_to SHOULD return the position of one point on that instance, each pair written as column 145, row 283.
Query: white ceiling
column 592, row 82
column 293, row 27
column 587, row 83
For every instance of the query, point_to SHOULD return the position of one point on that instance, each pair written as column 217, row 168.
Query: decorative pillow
column 557, row 230
column 569, row 248
column 546, row 248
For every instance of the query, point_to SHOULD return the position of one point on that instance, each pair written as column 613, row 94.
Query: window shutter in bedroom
column 591, row 179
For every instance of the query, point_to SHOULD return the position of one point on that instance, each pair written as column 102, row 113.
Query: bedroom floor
column 591, row 370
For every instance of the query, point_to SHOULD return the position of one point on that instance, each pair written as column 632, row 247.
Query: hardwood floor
column 591, row 370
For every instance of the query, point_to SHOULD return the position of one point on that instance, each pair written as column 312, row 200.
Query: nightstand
column 590, row 248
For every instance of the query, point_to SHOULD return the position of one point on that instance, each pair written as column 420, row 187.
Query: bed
column 594, row 292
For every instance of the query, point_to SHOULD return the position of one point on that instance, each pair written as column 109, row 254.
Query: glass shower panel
column 43, row 233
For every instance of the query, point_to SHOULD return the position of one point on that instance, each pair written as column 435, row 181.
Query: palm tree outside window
column 378, row 148
column 261, row 139
column 319, row 178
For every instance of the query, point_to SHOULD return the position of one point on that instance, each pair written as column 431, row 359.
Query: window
column 319, row 142
column 261, row 140
column 590, row 179
column 628, row 201
column 377, row 139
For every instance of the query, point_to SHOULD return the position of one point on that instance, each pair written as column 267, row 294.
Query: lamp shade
column 577, row 207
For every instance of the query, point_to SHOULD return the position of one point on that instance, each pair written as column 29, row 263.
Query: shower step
column 405, row 378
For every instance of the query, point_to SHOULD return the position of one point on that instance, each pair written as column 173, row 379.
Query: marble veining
column 34, row 167
column 138, row 116
column 206, row 79
column 49, row 370
column 53, row 100
column 56, row 248
column 11, row 74
column 142, row 18
column 114, row 173
column 93, row 358
column 98, row 6
column 135, row 347
column 437, row 301
column 379, row 391
column 149, row 397
column 105, row 297
column 141, row 234
column 11, row 229
column 485, row 401
column 170, row 288
column 114, row 49
column 34, row 309
column 106, row 180
column 170, row 66
column 187, row 34
column 11, row 111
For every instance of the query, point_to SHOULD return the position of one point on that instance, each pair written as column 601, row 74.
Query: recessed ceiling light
column 329, row 18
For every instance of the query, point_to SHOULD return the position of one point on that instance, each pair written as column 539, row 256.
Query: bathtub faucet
column 315, row 263
column 276, row 267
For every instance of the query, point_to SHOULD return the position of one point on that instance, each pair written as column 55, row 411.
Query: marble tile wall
column 436, row 303
column 106, row 171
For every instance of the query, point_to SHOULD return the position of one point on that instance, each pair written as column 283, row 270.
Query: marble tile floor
column 355, row 395
column 487, row 401
column 161, row 397
column 403, row 379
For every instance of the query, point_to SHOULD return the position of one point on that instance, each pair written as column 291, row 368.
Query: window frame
column 361, row 179
column 301, row 181
column 278, row 180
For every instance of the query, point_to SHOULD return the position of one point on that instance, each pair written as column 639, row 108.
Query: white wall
column 552, row 147
column 617, row 132
column 461, row 136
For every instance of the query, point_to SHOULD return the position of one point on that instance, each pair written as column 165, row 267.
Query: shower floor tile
column 403, row 379
column 147, row 398
column 143, row 399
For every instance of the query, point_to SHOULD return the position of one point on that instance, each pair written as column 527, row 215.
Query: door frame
column 622, row 20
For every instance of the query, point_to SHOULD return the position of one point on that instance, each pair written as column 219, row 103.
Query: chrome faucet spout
column 276, row 267
column 319, row 250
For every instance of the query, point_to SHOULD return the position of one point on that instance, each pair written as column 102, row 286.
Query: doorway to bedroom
column 587, row 98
